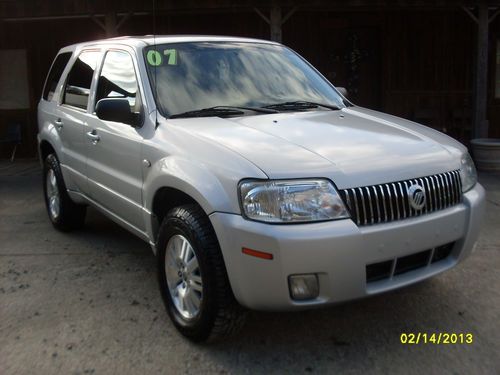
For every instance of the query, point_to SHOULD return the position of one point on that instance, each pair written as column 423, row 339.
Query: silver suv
column 254, row 180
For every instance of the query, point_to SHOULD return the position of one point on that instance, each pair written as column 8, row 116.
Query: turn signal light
column 257, row 254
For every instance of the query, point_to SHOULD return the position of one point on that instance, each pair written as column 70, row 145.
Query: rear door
column 47, row 116
column 71, row 117
column 114, row 166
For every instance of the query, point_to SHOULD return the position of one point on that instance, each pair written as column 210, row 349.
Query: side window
column 118, row 80
column 77, row 89
column 55, row 74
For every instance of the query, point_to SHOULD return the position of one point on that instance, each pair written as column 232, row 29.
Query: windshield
column 196, row 75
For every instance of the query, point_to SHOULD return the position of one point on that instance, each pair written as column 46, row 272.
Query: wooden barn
column 434, row 61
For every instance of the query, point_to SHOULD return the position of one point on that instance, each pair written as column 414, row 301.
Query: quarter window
column 77, row 89
column 118, row 80
column 55, row 74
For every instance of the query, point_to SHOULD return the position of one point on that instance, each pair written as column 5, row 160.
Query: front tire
column 193, row 279
column 64, row 214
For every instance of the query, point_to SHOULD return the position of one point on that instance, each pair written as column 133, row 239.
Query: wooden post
column 110, row 24
column 276, row 20
column 275, row 23
column 480, row 122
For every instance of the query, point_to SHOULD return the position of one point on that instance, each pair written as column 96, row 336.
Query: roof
column 145, row 40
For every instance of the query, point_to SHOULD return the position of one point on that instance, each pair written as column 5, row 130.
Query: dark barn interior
column 436, row 62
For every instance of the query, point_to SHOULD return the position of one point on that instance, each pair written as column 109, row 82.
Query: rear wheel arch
column 64, row 214
column 46, row 149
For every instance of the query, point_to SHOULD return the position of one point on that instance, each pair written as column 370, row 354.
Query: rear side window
column 55, row 74
column 77, row 89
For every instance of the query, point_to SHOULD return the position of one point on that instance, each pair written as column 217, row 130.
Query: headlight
column 468, row 173
column 291, row 201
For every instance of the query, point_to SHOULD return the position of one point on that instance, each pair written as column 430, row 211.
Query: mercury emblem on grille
column 416, row 197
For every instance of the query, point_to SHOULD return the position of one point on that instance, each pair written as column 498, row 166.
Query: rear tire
column 191, row 267
column 64, row 214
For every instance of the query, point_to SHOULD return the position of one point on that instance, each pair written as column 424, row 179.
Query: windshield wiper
column 299, row 105
column 221, row 110
column 255, row 109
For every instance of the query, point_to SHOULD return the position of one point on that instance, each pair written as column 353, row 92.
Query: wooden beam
column 71, row 17
column 262, row 15
column 468, row 11
column 494, row 15
column 123, row 20
column 98, row 22
column 289, row 14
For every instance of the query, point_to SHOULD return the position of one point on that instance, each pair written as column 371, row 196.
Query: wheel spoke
column 49, row 182
column 196, row 279
column 173, row 275
column 53, row 181
column 196, row 286
column 192, row 265
column 188, row 302
column 192, row 300
column 180, row 298
column 184, row 281
column 184, row 251
column 177, row 244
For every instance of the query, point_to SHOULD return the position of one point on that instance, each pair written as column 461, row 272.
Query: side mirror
column 343, row 91
column 116, row 109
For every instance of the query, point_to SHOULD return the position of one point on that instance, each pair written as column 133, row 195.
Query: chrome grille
column 389, row 202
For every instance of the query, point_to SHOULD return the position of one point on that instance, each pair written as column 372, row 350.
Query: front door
column 114, row 149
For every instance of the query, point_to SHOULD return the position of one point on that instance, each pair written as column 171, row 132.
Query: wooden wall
column 415, row 64
column 494, row 103
column 428, row 69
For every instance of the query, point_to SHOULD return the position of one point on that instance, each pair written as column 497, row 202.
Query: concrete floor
column 87, row 302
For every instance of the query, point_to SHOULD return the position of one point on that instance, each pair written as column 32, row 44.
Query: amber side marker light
column 257, row 254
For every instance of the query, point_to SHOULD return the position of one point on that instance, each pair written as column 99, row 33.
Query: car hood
column 353, row 146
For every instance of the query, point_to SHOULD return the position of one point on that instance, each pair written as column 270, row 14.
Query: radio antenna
column 155, row 67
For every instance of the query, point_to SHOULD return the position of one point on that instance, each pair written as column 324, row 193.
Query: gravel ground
column 87, row 303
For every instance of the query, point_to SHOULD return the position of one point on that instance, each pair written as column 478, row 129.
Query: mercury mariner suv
column 255, row 181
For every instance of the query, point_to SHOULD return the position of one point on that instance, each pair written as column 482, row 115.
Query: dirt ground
column 87, row 303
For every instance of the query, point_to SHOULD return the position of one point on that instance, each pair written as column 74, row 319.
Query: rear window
column 77, row 89
column 55, row 75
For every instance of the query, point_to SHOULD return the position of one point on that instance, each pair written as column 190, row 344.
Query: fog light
column 303, row 287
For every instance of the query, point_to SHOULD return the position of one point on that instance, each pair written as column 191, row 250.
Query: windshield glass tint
column 192, row 76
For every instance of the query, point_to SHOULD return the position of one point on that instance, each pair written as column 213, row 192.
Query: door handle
column 92, row 135
column 59, row 124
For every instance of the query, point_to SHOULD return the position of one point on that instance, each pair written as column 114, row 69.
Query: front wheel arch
column 165, row 199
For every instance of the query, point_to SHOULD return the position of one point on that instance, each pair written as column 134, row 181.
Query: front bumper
column 338, row 252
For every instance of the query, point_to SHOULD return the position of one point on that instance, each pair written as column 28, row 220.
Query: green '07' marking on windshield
column 172, row 56
column 155, row 58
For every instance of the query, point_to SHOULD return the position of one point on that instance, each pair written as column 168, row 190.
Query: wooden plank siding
column 494, row 103
column 428, row 68
column 407, row 60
